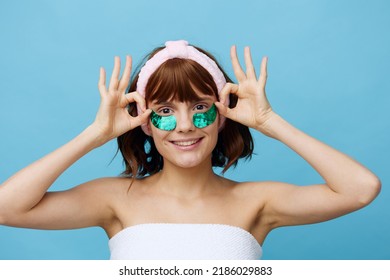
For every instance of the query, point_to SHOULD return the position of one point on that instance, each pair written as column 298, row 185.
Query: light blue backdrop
column 328, row 75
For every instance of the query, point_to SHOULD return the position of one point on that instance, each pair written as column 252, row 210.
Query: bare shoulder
column 252, row 199
column 105, row 185
column 259, row 195
column 106, row 197
column 250, row 195
column 106, row 190
column 257, row 190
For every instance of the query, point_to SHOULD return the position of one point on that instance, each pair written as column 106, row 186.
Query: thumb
column 144, row 117
column 223, row 110
column 140, row 119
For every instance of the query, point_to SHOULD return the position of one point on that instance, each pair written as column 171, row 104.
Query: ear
column 221, row 124
column 146, row 129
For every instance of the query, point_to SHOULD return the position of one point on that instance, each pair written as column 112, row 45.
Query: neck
column 186, row 182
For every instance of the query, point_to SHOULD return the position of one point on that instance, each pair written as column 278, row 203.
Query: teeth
column 185, row 143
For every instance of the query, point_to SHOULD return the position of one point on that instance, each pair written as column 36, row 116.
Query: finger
column 102, row 81
column 141, row 119
column 263, row 72
column 238, row 72
column 133, row 97
column 114, row 81
column 224, row 110
column 124, row 82
column 226, row 91
column 250, row 70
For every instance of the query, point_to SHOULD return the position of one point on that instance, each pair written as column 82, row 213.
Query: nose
column 184, row 122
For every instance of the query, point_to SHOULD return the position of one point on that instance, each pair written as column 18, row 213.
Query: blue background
column 328, row 75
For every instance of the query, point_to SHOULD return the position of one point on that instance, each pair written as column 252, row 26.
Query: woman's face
column 186, row 145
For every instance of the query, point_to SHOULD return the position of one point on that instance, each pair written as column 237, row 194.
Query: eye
column 200, row 107
column 164, row 111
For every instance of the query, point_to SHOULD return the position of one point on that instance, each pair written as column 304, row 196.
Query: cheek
column 158, row 136
column 212, row 128
column 212, row 131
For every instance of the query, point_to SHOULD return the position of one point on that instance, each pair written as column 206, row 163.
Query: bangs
column 177, row 79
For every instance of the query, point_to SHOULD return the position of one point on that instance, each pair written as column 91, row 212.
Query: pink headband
column 179, row 49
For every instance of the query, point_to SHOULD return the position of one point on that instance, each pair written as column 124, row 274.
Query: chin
column 191, row 163
column 187, row 161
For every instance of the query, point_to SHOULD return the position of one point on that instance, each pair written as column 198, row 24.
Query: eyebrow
column 205, row 99
column 171, row 103
column 165, row 103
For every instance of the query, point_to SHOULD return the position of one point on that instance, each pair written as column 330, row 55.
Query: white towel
column 165, row 241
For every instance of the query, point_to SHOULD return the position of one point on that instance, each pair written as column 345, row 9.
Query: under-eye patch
column 204, row 119
column 200, row 120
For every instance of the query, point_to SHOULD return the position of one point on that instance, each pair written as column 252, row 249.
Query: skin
column 186, row 190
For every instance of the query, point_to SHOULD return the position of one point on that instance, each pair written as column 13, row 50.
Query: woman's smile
column 187, row 144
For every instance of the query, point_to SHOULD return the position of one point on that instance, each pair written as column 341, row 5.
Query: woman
column 181, row 117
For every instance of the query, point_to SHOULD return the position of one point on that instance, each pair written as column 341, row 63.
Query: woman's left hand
column 253, row 108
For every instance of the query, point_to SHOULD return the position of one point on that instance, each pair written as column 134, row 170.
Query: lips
column 186, row 143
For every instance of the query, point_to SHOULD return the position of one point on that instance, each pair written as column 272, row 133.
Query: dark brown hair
column 176, row 79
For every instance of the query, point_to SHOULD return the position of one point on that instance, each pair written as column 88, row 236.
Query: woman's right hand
column 24, row 197
column 113, row 119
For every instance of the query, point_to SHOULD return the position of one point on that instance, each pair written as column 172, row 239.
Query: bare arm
column 24, row 200
column 348, row 185
column 24, row 190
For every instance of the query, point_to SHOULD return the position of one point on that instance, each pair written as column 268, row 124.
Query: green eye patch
column 200, row 120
